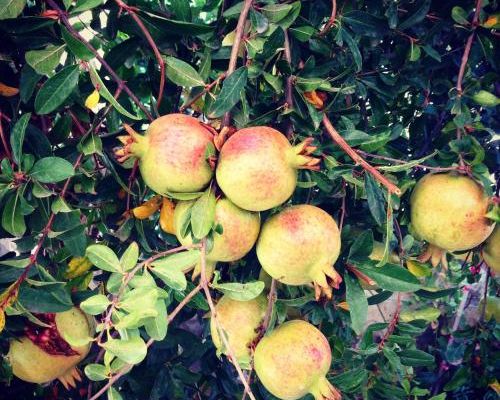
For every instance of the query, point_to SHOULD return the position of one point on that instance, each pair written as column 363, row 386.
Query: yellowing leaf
column 418, row 269
column 493, row 21
column 92, row 100
column 343, row 305
column 148, row 208
column 77, row 267
column 8, row 91
column 2, row 320
column 167, row 216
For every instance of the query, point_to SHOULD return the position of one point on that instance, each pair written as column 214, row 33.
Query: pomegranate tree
column 293, row 360
column 240, row 229
column 239, row 321
column 448, row 211
column 175, row 154
column 299, row 245
column 43, row 354
column 257, row 167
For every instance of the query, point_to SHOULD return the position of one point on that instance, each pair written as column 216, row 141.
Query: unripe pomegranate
column 239, row 321
column 174, row 154
column 491, row 251
column 257, row 167
column 299, row 245
column 293, row 361
column 43, row 354
column 448, row 211
column 240, row 231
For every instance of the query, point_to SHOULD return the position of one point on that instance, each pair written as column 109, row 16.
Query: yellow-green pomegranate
column 240, row 229
column 240, row 321
column 448, row 211
column 293, row 360
column 257, row 167
column 174, row 154
column 43, row 355
column 299, row 245
column 491, row 251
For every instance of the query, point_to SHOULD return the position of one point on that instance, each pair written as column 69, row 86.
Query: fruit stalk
column 391, row 187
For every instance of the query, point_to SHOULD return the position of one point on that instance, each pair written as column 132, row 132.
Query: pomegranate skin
column 240, row 231
column 299, row 245
column 448, row 211
column 293, row 360
column 32, row 364
column 173, row 154
column 491, row 251
column 240, row 321
column 257, row 167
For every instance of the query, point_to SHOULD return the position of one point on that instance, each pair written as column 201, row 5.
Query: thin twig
column 240, row 28
column 392, row 324
column 149, row 38
column 331, row 20
column 288, row 84
column 397, row 161
column 213, row 312
column 204, row 91
column 391, row 187
column 64, row 19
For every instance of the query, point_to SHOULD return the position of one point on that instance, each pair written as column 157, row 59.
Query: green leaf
column 17, row 137
column 276, row 12
column 416, row 358
column 96, row 372
column 11, row 8
column 362, row 246
column 417, row 16
column 29, row 79
column 57, row 89
column 45, row 61
column 84, row 5
column 179, row 261
column 365, row 24
column 375, row 199
column 239, row 291
column 230, row 92
column 92, row 144
column 76, row 46
column 358, row 305
column 303, row 33
column 391, row 277
column 95, row 305
column 459, row 15
column 114, row 394
column 103, row 257
column 428, row 314
column 129, row 258
column 173, row 278
column 203, row 214
column 182, row 74
column 52, row 169
column 353, row 47
column 157, row 327
column 132, row 350
column 415, row 52
column 406, row 166
column 106, row 94
column 181, row 9
column 12, row 216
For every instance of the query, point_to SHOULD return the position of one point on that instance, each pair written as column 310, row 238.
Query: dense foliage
column 412, row 86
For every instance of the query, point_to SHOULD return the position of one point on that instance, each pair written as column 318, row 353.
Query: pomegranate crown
column 302, row 158
column 133, row 145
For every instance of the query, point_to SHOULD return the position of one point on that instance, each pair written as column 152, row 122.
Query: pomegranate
column 240, row 231
column 43, row 354
column 299, row 245
column 448, row 211
column 239, row 321
column 293, row 361
column 491, row 251
column 257, row 167
column 175, row 154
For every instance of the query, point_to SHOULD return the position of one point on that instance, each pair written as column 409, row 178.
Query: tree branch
column 149, row 38
column 240, row 27
column 203, row 92
column 391, row 187
column 64, row 19
column 331, row 20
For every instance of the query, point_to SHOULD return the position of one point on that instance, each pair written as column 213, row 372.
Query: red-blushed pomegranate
column 43, row 354
column 491, row 251
column 240, row 229
column 239, row 321
column 293, row 360
column 174, row 155
column 299, row 245
column 257, row 167
column 448, row 211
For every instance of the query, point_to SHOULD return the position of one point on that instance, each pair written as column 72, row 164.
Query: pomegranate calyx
column 324, row 390
column 134, row 145
column 301, row 155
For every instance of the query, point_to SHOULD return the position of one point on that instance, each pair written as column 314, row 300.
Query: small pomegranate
column 448, row 211
column 240, row 321
column 240, row 232
column 299, row 245
column 491, row 251
column 175, row 154
column 43, row 354
column 293, row 360
column 257, row 167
